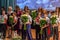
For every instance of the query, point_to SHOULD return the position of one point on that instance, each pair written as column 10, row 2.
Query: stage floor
column 33, row 35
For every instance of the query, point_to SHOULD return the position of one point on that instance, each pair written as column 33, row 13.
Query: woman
column 27, row 32
column 18, row 14
column 14, row 28
column 9, row 13
column 37, row 21
column 58, row 24
column 4, row 22
column 48, row 26
column 55, row 27
column 44, row 28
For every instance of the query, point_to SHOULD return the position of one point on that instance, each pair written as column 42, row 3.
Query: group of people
column 48, row 30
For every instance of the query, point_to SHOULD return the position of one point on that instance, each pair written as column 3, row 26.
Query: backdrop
column 34, row 4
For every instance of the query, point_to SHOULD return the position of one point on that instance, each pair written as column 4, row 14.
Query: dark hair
column 26, row 7
column 3, row 8
column 16, row 6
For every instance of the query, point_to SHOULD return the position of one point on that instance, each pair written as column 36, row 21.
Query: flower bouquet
column 11, row 19
column 24, row 19
column 17, row 38
column 42, row 23
column 33, row 15
column 53, row 20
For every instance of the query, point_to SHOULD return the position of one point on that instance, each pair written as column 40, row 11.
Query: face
column 26, row 9
column 3, row 12
column 39, row 9
column 14, row 13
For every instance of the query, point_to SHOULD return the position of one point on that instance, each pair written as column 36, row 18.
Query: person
column 4, row 22
column 27, row 32
column 9, row 13
column 55, row 27
column 44, row 34
column 14, row 28
column 18, row 14
column 48, row 31
column 59, row 26
column 37, row 21
column 2, row 8
column 9, row 10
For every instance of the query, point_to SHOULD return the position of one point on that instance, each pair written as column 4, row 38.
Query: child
column 55, row 27
column 4, row 18
column 27, row 32
column 37, row 21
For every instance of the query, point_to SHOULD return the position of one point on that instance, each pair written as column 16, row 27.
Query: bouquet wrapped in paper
column 11, row 20
column 53, row 20
column 24, row 19
column 42, row 24
column 33, row 14
column 17, row 38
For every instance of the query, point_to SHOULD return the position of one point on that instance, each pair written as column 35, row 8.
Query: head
column 39, row 15
column 44, row 11
column 3, row 12
column 40, row 10
column 3, row 8
column 26, row 8
column 17, row 8
column 9, row 8
column 57, row 9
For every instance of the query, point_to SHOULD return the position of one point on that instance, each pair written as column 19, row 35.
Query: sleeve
column 30, row 18
column 6, row 17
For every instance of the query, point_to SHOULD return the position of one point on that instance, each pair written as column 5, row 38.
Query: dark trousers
column 44, row 34
column 55, row 33
column 26, row 32
column 3, row 29
column 38, row 35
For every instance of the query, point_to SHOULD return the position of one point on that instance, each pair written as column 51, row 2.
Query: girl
column 37, row 21
column 14, row 28
column 18, row 14
column 4, row 18
column 44, row 28
column 9, row 13
column 55, row 27
column 58, row 13
column 27, row 32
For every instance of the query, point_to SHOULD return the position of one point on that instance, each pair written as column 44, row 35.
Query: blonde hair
column 10, row 7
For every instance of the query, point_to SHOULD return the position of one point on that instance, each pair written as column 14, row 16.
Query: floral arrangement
column 11, row 19
column 33, row 14
column 42, row 22
column 24, row 19
column 53, row 20
column 17, row 38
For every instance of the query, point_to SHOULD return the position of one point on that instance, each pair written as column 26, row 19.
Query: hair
column 39, row 9
column 26, row 7
column 3, row 8
column 10, row 7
